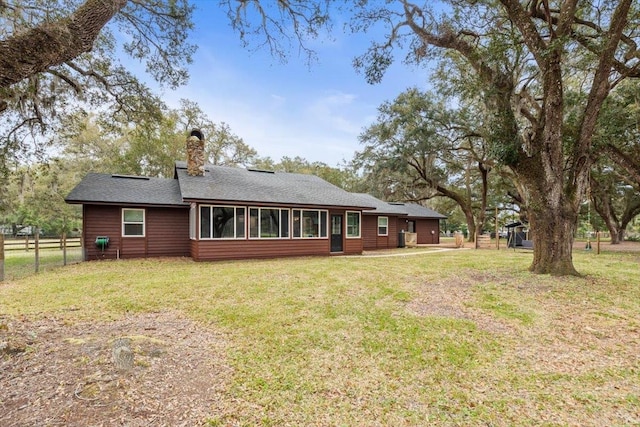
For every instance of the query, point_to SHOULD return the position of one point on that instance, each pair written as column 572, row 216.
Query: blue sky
column 293, row 109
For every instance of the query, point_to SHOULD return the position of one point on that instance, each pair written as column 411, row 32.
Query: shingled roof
column 99, row 188
column 414, row 210
column 231, row 184
column 381, row 208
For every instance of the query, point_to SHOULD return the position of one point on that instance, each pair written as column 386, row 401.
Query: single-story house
column 421, row 220
column 382, row 225
column 212, row 212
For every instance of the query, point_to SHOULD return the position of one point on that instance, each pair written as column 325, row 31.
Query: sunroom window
column 222, row 222
column 268, row 223
column 309, row 224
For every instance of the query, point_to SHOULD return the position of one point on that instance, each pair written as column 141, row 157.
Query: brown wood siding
column 424, row 228
column 370, row 237
column 166, row 233
column 391, row 240
column 133, row 247
column 369, row 232
column 193, row 248
column 352, row 246
column 210, row 250
column 101, row 221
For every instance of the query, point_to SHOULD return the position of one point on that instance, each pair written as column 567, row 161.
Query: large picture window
column 222, row 222
column 268, row 223
column 309, row 224
column 353, row 224
column 133, row 222
column 383, row 226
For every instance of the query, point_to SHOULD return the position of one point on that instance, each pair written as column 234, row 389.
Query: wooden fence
column 29, row 243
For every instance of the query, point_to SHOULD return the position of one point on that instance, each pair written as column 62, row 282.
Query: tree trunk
column 471, row 222
column 553, row 235
column 553, row 211
column 615, row 237
column 605, row 210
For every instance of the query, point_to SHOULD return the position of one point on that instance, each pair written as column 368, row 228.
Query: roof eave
column 274, row 204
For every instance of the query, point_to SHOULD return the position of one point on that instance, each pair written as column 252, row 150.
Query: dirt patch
column 451, row 298
column 53, row 373
column 563, row 337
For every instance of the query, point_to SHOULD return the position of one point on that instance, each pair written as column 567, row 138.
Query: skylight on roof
column 144, row 178
column 260, row 170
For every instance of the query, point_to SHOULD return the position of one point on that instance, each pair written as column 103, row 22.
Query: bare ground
column 58, row 374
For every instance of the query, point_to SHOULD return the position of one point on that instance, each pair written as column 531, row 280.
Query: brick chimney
column 195, row 153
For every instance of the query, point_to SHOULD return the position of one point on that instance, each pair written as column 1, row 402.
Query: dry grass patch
column 568, row 346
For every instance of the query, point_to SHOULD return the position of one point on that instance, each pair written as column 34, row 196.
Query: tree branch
column 52, row 44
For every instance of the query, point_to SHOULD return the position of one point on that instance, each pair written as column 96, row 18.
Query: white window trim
column 235, row 232
column 320, row 237
column 346, row 224
column 193, row 221
column 386, row 227
column 144, row 222
column 259, row 237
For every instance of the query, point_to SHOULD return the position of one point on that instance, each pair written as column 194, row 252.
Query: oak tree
column 521, row 54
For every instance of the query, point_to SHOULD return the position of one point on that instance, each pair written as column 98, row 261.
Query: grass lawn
column 450, row 338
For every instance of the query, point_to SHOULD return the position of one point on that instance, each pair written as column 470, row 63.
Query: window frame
column 386, row 226
column 323, row 232
column 347, row 226
column 124, row 223
column 259, row 223
column 211, row 219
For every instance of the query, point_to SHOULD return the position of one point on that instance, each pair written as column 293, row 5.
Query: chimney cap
column 197, row 133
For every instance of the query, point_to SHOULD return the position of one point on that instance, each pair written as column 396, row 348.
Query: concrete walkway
column 396, row 254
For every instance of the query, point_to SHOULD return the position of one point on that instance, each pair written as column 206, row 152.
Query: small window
column 353, row 224
column 133, row 222
column 383, row 226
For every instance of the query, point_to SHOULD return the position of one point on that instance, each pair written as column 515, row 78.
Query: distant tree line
column 535, row 102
